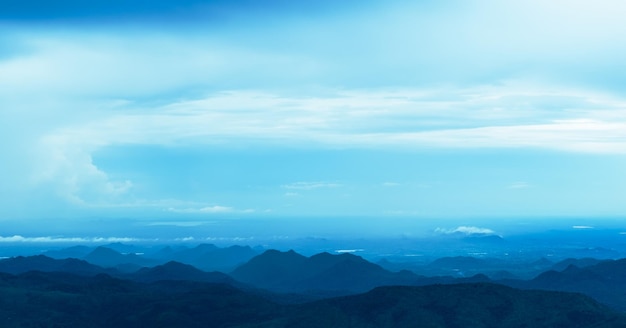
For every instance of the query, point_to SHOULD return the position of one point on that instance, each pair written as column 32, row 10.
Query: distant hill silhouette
column 21, row 264
column 107, row 257
column 581, row 263
column 604, row 281
column 77, row 252
column 128, row 258
column 208, row 257
column 178, row 271
column 292, row 272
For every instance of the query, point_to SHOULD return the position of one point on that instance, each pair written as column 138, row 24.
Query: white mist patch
column 343, row 251
column 468, row 230
column 179, row 223
column 582, row 227
column 52, row 239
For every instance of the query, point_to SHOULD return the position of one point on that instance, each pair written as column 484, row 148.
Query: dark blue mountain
column 292, row 272
column 179, row 271
column 76, row 252
column 21, row 264
column 107, row 257
column 208, row 257
column 605, row 281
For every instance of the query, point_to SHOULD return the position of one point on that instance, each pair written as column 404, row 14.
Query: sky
column 174, row 111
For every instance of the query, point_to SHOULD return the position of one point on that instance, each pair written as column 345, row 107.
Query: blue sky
column 220, row 109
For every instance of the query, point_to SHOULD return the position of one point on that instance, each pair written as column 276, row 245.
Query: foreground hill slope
column 41, row 299
column 462, row 305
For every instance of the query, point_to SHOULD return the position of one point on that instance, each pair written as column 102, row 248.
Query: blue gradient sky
column 222, row 109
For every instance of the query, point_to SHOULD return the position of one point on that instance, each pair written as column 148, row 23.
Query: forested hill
column 55, row 299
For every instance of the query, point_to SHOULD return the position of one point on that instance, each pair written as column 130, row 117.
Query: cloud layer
column 404, row 76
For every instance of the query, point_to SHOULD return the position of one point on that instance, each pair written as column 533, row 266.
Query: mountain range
column 289, row 277
column 56, row 299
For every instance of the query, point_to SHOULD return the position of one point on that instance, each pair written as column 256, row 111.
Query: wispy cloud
column 198, row 86
column 213, row 209
column 468, row 230
column 55, row 239
column 310, row 185
column 179, row 223
column 519, row 185
column 582, row 227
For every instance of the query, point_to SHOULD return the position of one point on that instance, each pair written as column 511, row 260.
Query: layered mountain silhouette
column 107, row 257
column 178, row 271
column 292, row 272
column 209, row 257
column 325, row 275
column 604, row 281
column 129, row 258
column 21, row 264
column 459, row 305
column 46, row 299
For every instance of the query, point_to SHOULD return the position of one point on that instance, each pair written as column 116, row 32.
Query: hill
column 21, row 264
column 42, row 299
column 604, row 281
column 292, row 272
column 461, row 305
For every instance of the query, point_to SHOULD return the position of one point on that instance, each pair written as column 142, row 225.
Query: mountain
column 40, row 299
column 292, row 272
column 21, row 264
column 107, row 257
column 605, row 282
column 461, row 305
column 208, row 257
column 179, row 271
column 70, row 252
column 581, row 263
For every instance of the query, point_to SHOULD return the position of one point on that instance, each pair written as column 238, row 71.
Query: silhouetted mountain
column 462, row 305
column 107, row 257
column 125, row 248
column 70, row 252
column 581, row 263
column 290, row 271
column 20, row 264
column 179, row 271
column 38, row 299
column 605, row 281
column 209, row 257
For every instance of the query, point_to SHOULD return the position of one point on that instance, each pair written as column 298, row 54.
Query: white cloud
column 507, row 116
column 178, row 223
column 582, row 227
column 216, row 209
column 468, row 230
column 53, row 239
column 519, row 185
column 185, row 239
column 213, row 209
column 96, row 88
column 310, row 185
